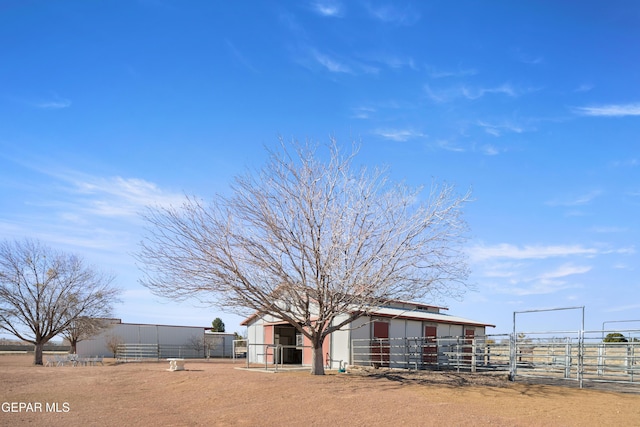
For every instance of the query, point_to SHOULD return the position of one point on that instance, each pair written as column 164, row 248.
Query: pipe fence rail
column 455, row 352
column 267, row 356
column 568, row 355
column 148, row 352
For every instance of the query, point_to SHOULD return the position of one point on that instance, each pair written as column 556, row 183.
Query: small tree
column 217, row 325
column 196, row 343
column 43, row 292
column 83, row 328
column 310, row 241
column 615, row 337
column 113, row 342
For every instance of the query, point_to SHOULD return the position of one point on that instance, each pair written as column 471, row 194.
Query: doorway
column 380, row 344
column 285, row 335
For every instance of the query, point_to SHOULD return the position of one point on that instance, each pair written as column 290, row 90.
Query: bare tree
column 42, row 292
column 113, row 342
column 314, row 243
column 82, row 329
column 196, row 343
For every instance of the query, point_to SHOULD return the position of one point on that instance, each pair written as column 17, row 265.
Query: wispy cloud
column 328, row 8
column 489, row 150
column 393, row 61
column 289, row 20
column 540, row 287
column 534, row 269
column 437, row 95
column 241, row 58
column 400, row 135
column 515, row 279
column 330, row 63
column 611, row 110
column 610, row 229
column 438, row 74
column 566, row 270
column 447, row 145
column 629, row 163
column 630, row 250
column 480, row 253
column 586, row 87
column 73, row 195
column 56, row 103
column 580, row 200
column 527, row 58
column 362, row 112
column 473, row 92
column 391, row 13
column 84, row 212
column 117, row 196
column 500, row 128
column 479, row 92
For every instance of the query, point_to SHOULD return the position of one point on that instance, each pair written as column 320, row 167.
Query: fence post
column 633, row 357
column 473, row 355
column 487, row 354
column 581, row 352
column 567, row 358
column 512, row 357
column 458, row 358
column 601, row 358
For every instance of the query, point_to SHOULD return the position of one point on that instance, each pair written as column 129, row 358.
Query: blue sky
column 106, row 106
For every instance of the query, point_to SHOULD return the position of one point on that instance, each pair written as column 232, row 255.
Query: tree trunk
column 37, row 351
column 74, row 346
column 317, row 361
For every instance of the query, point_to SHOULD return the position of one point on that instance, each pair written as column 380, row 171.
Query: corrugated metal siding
column 130, row 333
column 414, row 328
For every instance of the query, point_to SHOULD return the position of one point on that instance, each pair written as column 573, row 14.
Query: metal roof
column 403, row 313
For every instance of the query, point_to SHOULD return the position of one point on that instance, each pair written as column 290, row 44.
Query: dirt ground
column 216, row 393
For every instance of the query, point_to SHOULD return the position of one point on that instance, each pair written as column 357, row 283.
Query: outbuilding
column 159, row 341
column 398, row 334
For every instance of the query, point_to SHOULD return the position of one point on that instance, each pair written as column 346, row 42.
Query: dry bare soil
column 216, row 393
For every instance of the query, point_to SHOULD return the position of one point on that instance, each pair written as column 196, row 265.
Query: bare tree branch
column 83, row 328
column 43, row 292
column 309, row 242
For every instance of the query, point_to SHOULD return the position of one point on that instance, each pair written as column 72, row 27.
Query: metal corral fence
column 272, row 356
column 149, row 352
column 455, row 352
column 579, row 356
column 239, row 349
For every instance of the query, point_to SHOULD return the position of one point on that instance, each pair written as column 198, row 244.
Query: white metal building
column 220, row 344
column 138, row 333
